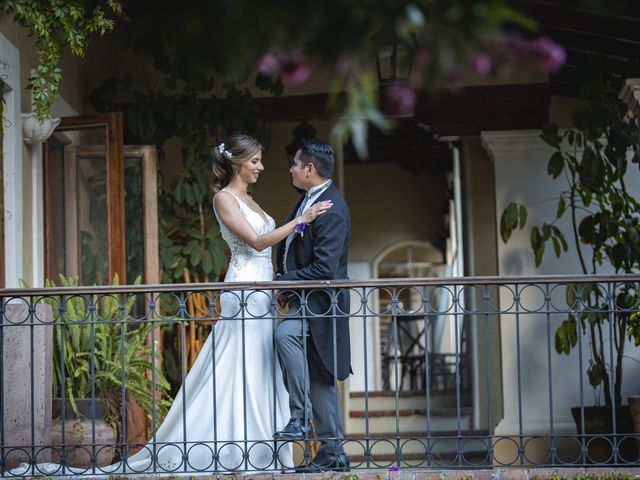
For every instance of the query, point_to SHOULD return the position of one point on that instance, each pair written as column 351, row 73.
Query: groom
column 313, row 340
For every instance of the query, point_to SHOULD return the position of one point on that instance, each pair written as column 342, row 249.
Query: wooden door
column 97, row 224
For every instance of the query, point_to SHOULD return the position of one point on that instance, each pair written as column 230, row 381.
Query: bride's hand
column 315, row 211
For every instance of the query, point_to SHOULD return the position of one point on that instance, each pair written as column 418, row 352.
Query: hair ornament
column 223, row 151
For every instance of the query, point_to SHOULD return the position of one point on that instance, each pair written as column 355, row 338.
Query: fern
column 78, row 319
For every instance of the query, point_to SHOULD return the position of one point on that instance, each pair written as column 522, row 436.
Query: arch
column 432, row 254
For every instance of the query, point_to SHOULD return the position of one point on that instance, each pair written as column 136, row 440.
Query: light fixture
column 393, row 59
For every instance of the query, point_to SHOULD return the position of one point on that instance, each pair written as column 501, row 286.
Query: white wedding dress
column 251, row 401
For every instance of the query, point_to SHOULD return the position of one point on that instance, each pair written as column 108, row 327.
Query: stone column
column 549, row 383
column 520, row 168
column 26, row 391
column 630, row 94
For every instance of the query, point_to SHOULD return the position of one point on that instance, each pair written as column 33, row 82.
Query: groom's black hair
column 319, row 153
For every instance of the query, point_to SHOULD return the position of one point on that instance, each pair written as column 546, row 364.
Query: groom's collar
column 318, row 188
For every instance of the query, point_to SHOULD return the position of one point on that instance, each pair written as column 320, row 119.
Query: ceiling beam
column 462, row 111
column 601, row 22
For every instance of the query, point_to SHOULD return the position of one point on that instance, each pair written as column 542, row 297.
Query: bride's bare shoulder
column 223, row 199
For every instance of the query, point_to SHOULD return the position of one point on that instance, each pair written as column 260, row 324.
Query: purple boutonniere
column 300, row 228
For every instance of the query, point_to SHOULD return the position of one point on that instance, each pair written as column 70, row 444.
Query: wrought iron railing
column 494, row 392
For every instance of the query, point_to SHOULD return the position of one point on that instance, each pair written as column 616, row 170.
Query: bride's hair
column 229, row 155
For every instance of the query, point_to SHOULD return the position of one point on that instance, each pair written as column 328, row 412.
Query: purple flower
column 394, row 469
column 268, row 63
column 550, row 55
column 480, row 64
column 398, row 101
column 294, row 68
column 299, row 228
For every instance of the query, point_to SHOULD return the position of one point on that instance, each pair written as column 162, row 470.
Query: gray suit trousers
column 310, row 396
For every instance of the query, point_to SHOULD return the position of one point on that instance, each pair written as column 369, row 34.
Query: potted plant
column 593, row 156
column 87, row 328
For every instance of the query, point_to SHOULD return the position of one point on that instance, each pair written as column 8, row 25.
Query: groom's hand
column 282, row 298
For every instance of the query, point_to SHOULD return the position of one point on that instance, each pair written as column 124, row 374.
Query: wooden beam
column 112, row 125
column 604, row 22
column 462, row 111
column 115, row 198
column 470, row 110
column 407, row 145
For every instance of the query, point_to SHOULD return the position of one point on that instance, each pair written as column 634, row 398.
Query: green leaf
column 555, row 165
column 571, row 295
column 562, row 206
column 563, row 241
column 550, row 135
column 566, row 336
column 587, row 229
column 508, row 221
column 596, row 373
column 618, row 255
column 522, row 213
column 207, row 262
column 196, row 256
column 537, row 245
column 556, row 246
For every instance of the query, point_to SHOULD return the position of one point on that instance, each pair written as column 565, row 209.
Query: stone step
column 420, row 460
column 416, row 449
column 409, row 420
column 386, row 400
column 404, row 412
column 465, row 435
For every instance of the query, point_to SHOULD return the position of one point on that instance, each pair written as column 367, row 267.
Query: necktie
column 289, row 239
column 302, row 205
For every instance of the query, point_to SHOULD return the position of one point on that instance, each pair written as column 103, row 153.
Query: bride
column 233, row 398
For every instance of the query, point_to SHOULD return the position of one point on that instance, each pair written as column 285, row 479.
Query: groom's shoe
column 324, row 461
column 295, row 430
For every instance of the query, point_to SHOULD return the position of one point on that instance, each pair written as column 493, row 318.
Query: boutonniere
column 299, row 228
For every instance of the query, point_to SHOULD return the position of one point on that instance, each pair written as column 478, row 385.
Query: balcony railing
column 466, row 376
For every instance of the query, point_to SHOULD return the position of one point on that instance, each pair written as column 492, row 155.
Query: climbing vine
column 55, row 25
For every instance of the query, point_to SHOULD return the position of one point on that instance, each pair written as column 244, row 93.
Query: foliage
column 99, row 330
column 593, row 158
column 200, row 112
column 446, row 40
column 189, row 234
column 57, row 24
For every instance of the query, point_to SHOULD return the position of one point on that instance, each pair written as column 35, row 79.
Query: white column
column 12, row 150
column 520, row 165
column 359, row 334
column 630, row 94
column 37, row 218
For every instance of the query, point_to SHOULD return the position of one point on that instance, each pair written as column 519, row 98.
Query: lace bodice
column 246, row 263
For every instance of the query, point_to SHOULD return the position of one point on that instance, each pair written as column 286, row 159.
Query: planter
column 36, row 131
column 599, row 438
column 634, row 407
column 79, row 434
column 137, row 435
